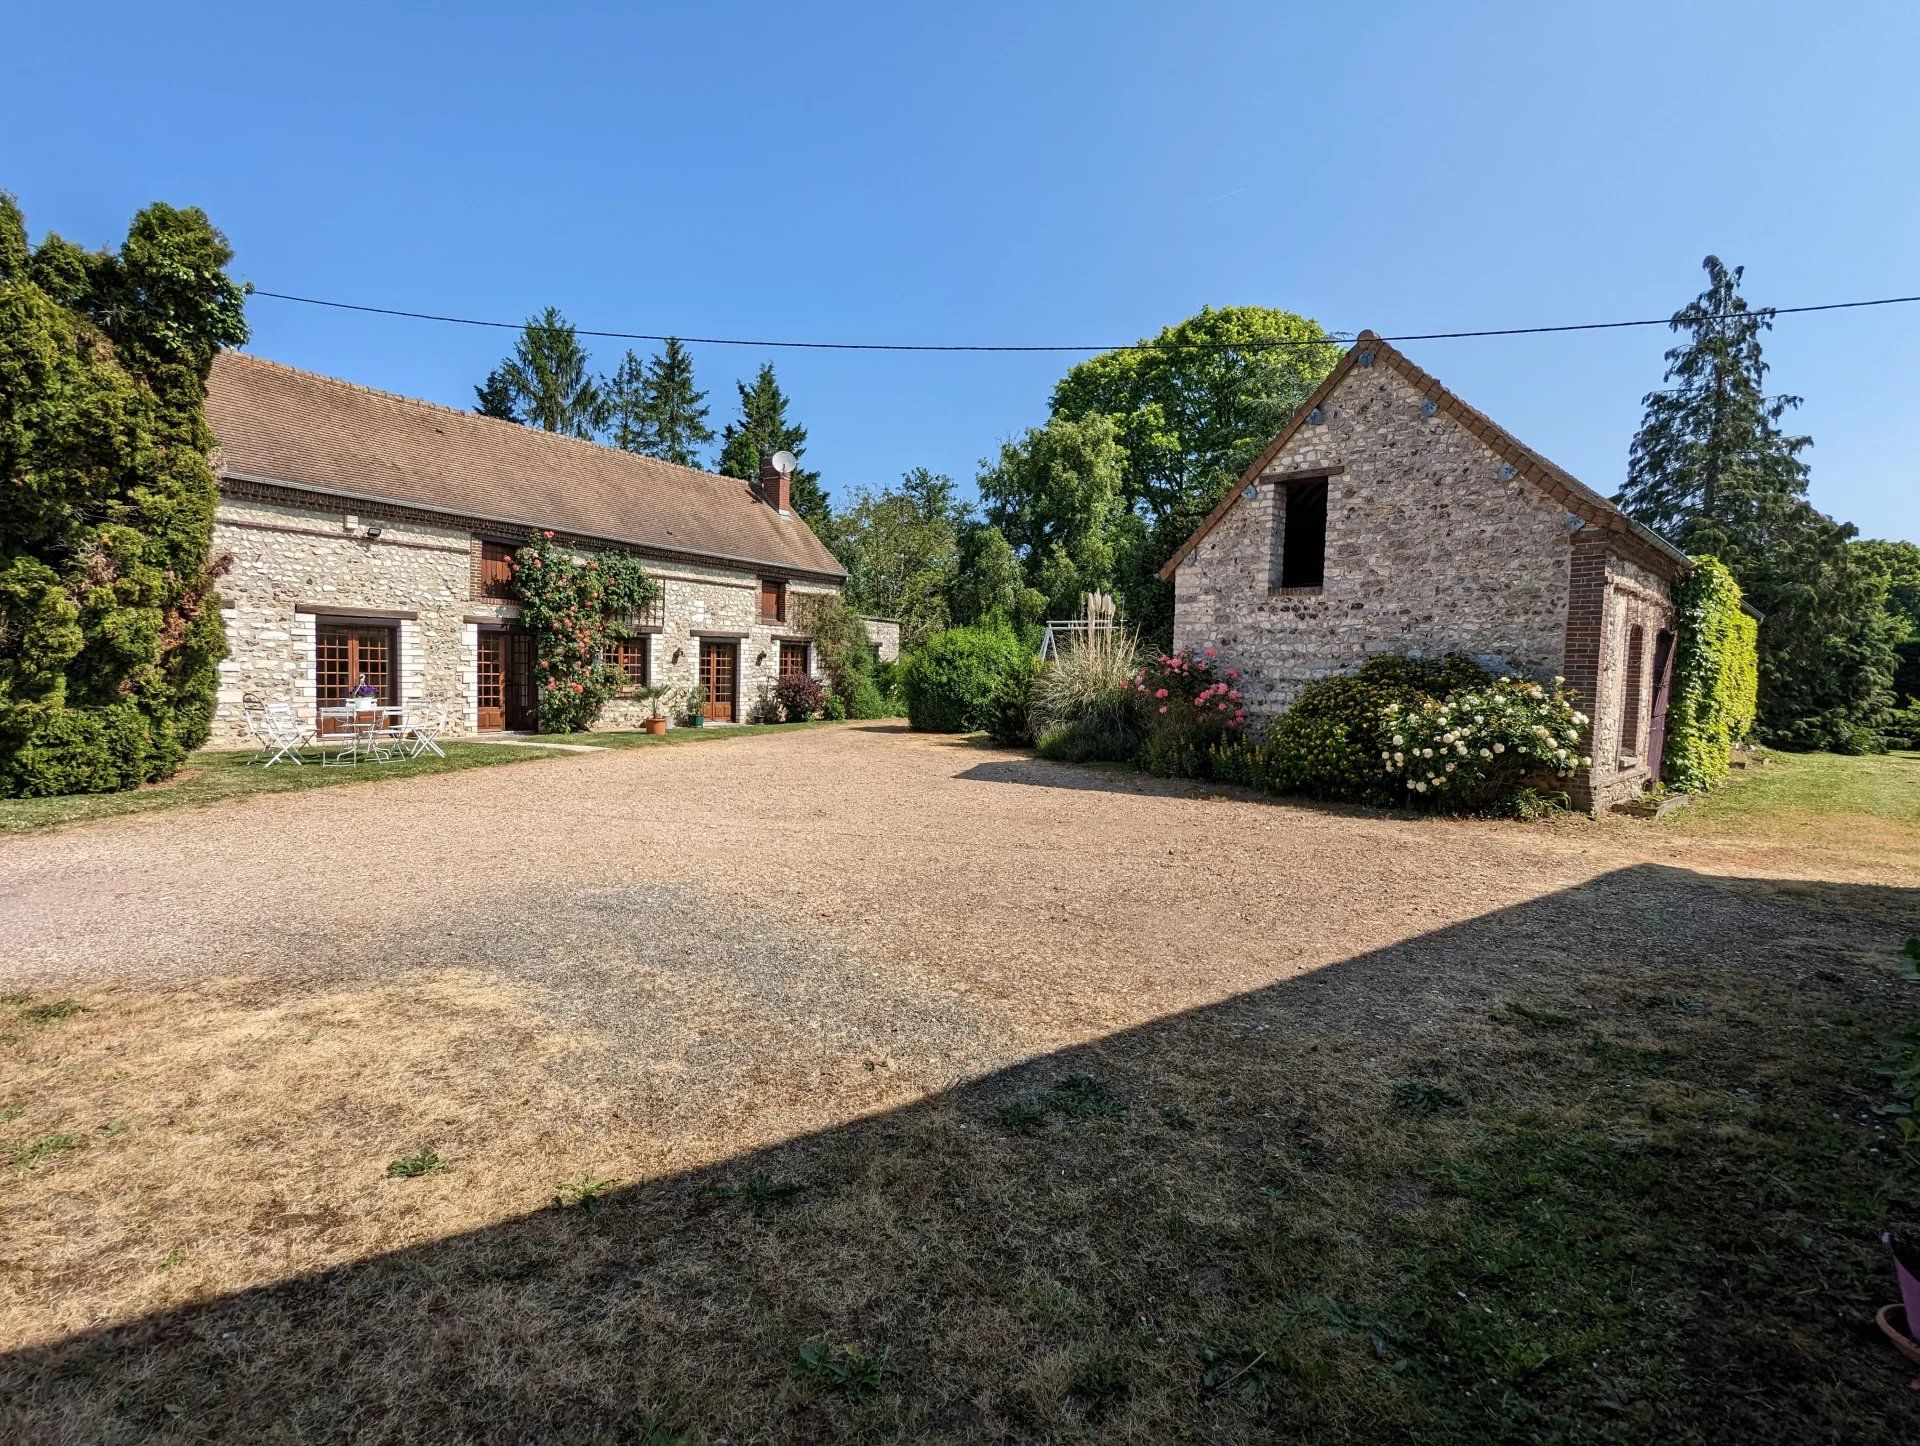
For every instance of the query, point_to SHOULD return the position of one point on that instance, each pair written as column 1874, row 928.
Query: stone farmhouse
column 371, row 535
column 1391, row 517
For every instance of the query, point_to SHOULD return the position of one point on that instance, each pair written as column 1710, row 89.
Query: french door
column 345, row 655
column 719, row 679
column 505, row 683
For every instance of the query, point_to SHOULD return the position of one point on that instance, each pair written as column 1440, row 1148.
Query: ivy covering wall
column 574, row 605
column 1716, row 679
column 110, row 634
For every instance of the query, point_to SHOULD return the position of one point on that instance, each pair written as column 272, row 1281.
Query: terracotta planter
column 655, row 726
column 1893, row 1321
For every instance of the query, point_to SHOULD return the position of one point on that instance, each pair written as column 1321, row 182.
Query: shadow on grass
column 1597, row 1166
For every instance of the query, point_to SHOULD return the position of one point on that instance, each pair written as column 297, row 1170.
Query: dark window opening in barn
column 1303, row 535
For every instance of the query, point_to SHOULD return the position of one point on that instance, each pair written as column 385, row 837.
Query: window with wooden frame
column 1635, row 689
column 496, row 571
column 1301, row 513
column 793, row 660
column 633, row 657
column 773, row 600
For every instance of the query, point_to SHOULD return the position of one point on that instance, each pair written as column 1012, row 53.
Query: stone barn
column 1391, row 517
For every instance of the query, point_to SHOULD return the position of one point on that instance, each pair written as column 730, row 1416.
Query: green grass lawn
column 212, row 775
column 1794, row 785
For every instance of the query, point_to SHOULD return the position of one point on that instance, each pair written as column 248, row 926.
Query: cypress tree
column 763, row 429
column 110, row 636
column 657, row 410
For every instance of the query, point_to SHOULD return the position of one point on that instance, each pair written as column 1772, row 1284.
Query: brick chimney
column 776, row 485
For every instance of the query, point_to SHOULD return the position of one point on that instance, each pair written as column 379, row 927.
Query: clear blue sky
column 1025, row 172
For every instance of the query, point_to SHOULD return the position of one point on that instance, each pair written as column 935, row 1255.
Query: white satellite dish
column 784, row 462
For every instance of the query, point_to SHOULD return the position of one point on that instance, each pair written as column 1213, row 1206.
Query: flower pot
column 655, row 726
column 1893, row 1324
column 1909, row 1284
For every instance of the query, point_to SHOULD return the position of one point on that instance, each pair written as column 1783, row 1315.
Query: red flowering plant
column 1190, row 705
column 572, row 603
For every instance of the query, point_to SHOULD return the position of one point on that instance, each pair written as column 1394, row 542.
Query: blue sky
column 1025, row 173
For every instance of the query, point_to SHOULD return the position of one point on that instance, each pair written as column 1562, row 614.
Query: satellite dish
column 784, row 462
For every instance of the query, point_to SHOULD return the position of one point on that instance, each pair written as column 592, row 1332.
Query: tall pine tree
column 655, row 408
column 546, row 382
column 1713, row 468
column 763, row 429
column 492, row 398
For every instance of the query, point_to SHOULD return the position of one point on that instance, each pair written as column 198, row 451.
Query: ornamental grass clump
column 1190, row 708
column 1476, row 749
column 1089, row 686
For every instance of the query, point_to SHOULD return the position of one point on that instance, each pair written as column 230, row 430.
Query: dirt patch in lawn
column 936, row 1103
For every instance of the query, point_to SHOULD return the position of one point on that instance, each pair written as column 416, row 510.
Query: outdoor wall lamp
column 373, row 531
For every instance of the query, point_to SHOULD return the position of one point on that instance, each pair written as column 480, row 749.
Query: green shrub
column 1715, row 689
column 951, row 682
column 1477, row 749
column 864, row 700
column 1089, row 743
column 1009, row 717
column 82, row 750
column 1329, row 743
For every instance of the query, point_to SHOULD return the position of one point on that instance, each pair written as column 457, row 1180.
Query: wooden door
column 719, row 679
column 344, row 655
column 1662, row 684
column 506, row 697
column 492, row 712
column 522, row 714
column 793, row 660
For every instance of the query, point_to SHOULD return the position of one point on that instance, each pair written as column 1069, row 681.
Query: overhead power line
column 1331, row 338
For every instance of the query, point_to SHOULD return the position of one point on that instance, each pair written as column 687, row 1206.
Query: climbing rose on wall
column 573, row 604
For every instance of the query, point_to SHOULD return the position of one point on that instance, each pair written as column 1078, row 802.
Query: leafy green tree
column 1055, row 494
column 110, row 635
column 492, row 398
column 901, row 548
column 761, row 430
column 1713, row 468
column 655, row 409
column 989, row 585
column 546, row 381
column 1194, row 406
column 1899, row 564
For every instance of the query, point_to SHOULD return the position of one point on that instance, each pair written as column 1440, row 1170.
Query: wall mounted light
column 1428, row 406
column 1253, row 491
column 1316, row 416
column 678, row 654
column 1365, row 358
column 373, row 530
column 761, row 657
column 1507, row 472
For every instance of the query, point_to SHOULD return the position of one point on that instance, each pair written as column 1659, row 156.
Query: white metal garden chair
column 422, row 728
column 253, row 714
column 285, row 734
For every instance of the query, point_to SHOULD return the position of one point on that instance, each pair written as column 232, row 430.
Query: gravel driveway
column 787, row 908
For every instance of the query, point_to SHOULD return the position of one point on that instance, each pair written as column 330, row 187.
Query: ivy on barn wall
column 1716, row 679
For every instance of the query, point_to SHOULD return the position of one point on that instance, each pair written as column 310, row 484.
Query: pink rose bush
column 1194, row 707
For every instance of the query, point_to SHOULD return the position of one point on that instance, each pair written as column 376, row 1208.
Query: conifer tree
column 493, row 399
column 763, row 429
column 546, row 381
column 110, row 634
column 655, row 408
column 1713, row 469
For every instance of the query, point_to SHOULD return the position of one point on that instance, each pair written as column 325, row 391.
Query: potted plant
column 1904, row 1241
column 363, row 696
column 695, row 715
column 656, row 720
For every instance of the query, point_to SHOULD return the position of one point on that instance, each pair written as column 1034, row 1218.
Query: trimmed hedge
column 1716, row 678
column 966, row 679
column 1328, row 744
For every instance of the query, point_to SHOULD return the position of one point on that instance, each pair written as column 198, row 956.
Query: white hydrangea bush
column 1478, row 747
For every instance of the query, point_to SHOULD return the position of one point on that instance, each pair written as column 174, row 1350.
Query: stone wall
column 884, row 633
column 1430, row 549
column 296, row 565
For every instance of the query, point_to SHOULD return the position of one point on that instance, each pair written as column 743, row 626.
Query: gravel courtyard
column 647, row 963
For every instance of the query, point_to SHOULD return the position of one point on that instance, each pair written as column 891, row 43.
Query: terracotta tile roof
column 279, row 424
column 1573, row 494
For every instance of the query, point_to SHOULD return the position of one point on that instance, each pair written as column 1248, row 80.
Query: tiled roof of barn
column 278, row 424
